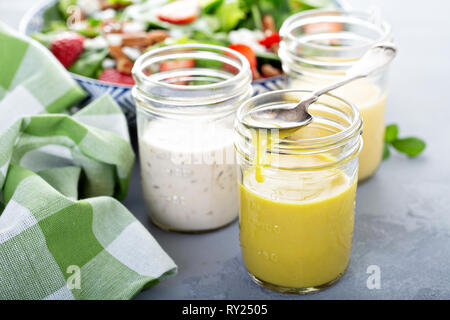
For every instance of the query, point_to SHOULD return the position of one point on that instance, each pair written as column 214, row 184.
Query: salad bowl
column 33, row 22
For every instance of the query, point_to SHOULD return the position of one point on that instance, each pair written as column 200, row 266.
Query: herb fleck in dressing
column 188, row 175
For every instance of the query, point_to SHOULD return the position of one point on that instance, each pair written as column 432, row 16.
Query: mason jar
column 186, row 99
column 297, row 193
column 318, row 47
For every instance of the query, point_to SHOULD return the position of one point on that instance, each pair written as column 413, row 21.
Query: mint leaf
column 411, row 146
column 386, row 152
column 391, row 133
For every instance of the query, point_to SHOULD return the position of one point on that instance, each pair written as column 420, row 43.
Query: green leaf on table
column 89, row 62
column 412, row 146
column 391, row 133
column 386, row 152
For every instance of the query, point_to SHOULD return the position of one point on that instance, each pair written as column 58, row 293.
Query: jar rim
column 139, row 75
column 354, row 128
column 229, row 87
column 382, row 27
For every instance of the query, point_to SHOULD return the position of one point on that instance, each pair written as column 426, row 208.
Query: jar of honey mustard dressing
column 319, row 46
column 297, row 193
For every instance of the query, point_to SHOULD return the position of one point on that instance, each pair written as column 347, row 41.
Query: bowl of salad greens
column 99, row 40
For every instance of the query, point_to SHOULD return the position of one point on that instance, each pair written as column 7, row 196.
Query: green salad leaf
column 89, row 62
column 310, row 4
column 57, row 26
column 256, row 16
column 219, row 38
column 209, row 6
column 120, row 1
column 230, row 13
column 93, row 22
column 51, row 17
column 64, row 5
column 89, row 32
column 44, row 38
column 411, row 146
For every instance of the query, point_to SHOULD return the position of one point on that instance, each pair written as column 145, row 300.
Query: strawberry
column 114, row 76
column 247, row 52
column 179, row 11
column 67, row 47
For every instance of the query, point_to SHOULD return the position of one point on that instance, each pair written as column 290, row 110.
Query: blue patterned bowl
column 33, row 21
column 122, row 93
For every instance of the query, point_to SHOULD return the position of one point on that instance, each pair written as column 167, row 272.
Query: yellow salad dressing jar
column 297, row 193
column 319, row 46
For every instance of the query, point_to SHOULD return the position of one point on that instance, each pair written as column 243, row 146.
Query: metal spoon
column 287, row 116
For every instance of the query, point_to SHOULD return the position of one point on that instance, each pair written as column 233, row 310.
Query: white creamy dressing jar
column 186, row 99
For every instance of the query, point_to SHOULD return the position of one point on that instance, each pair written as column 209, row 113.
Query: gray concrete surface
column 403, row 212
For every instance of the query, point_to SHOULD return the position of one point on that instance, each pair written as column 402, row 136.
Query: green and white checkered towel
column 52, row 245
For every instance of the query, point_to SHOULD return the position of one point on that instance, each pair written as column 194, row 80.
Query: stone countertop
column 402, row 220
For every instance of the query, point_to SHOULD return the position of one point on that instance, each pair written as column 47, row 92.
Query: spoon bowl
column 296, row 116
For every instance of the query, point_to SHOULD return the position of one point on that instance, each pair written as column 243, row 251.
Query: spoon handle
column 335, row 85
column 374, row 59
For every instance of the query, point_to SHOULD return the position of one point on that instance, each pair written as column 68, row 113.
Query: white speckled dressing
column 188, row 175
column 185, row 118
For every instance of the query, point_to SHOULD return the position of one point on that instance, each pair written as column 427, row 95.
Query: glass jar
column 297, row 194
column 186, row 99
column 319, row 46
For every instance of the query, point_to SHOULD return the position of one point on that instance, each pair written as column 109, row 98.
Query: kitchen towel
column 61, row 234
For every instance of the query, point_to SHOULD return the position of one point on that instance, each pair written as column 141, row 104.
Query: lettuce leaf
column 209, row 6
column 52, row 16
column 89, row 62
column 64, row 5
column 230, row 13
column 298, row 5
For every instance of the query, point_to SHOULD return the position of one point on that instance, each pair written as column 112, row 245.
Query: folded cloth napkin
column 52, row 245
